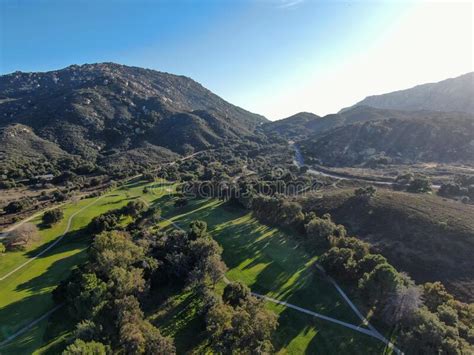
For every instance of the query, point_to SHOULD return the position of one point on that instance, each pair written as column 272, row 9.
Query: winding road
column 299, row 162
column 371, row 331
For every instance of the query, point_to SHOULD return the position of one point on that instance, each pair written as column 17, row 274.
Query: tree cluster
column 239, row 323
column 52, row 216
column 462, row 188
column 103, row 296
column 415, row 183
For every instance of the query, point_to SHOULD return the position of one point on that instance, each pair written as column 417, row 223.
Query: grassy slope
column 264, row 258
column 429, row 237
column 26, row 295
column 270, row 262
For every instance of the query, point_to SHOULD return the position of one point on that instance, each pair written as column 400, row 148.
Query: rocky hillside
column 456, row 94
column 446, row 138
column 305, row 124
column 97, row 110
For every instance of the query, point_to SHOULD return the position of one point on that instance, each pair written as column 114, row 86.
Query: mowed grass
column 271, row 262
column 26, row 294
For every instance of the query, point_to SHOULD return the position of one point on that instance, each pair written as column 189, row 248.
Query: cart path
column 52, row 245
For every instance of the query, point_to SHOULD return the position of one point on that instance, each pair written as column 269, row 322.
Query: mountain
column 293, row 126
column 456, row 94
column 428, row 137
column 305, row 124
column 94, row 111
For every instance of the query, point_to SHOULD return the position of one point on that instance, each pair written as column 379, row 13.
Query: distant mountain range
column 96, row 111
column 428, row 137
column 110, row 114
column 428, row 123
column 456, row 94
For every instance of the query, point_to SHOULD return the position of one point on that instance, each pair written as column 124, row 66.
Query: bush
column 322, row 229
column 365, row 193
column 16, row 206
column 181, row 202
column 419, row 184
column 53, row 216
column 134, row 208
column 80, row 347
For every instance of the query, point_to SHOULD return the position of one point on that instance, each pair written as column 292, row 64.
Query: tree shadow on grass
column 132, row 184
column 70, row 239
column 306, row 334
column 18, row 314
column 57, row 271
column 178, row 317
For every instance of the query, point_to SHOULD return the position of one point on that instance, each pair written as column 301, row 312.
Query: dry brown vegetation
column 427, row 236
column 22, row 237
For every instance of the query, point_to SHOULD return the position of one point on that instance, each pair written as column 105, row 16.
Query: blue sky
column 272, row 57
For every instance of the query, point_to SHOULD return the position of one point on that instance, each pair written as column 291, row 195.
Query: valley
column 141, row 211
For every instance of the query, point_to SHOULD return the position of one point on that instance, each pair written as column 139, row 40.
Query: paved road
column 299, row 162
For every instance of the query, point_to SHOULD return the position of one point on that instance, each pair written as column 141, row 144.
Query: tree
column 59, row 196
column 365, row 193
column 16, row 206
column 380, row 283
column 369, row 262
column 244, row 329
column 2, row 248
column 448, row 315
column 321, row 229
column 428, row 335
column 339, row 262
column 359, row 247
column 290, row 213
column 435, row 294
column 136, row 335
column 197, row 229
column 123, row 282
column 80, row 347
column 236, row 294
column 114, row 249
column 419, row 184
column 205, row 260
column 134, row 208
column 22, row 237
column 52, row 216
column 156, row 343
column 104, row 222
column 84, row 293
column 181, row 202
column 402, row 305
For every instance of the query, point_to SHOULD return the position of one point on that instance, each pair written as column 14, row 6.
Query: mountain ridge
column 452, row 94
column 96, row 110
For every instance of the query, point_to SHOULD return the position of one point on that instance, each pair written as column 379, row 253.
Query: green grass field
column 26, row 294
column 270, row 262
